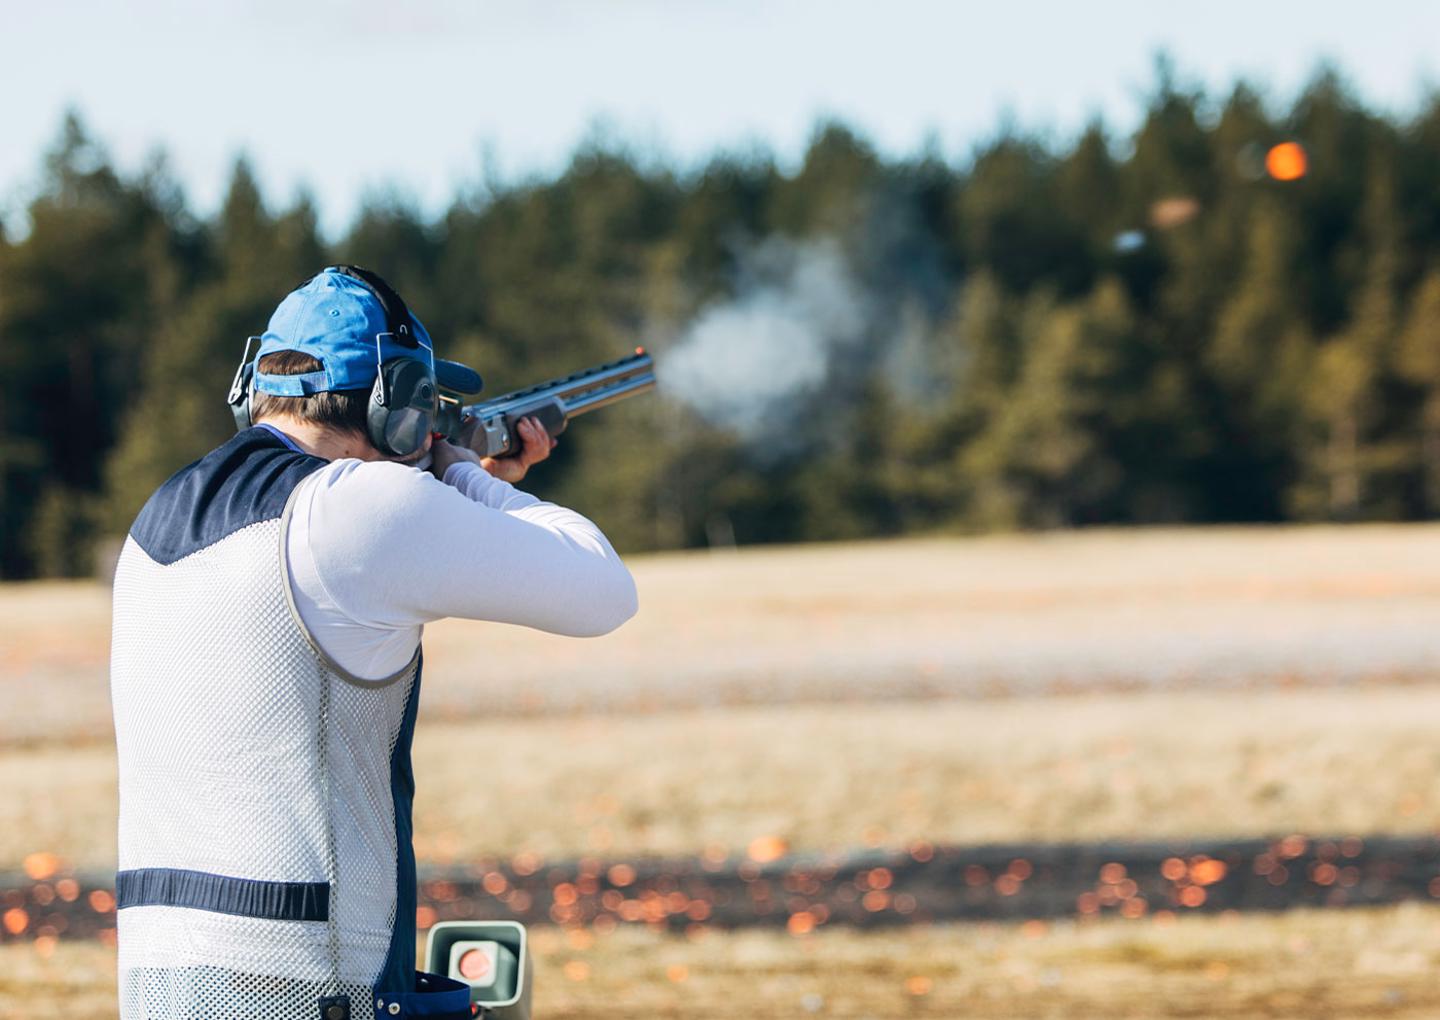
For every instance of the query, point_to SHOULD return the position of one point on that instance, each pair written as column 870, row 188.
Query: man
column 269, row 604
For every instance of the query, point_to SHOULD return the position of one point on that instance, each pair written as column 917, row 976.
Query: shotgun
column 488, row 427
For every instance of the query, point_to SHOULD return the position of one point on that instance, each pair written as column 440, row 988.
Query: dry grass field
column 1076, row 767
column 1355, row 964
column 1083, row 686
column 880, row 620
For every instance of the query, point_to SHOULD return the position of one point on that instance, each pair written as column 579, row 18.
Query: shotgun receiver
column 488, row 427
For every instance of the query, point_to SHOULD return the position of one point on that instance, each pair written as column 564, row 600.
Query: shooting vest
column 266, row 868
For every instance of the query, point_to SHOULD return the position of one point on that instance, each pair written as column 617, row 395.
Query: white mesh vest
column 265, row 860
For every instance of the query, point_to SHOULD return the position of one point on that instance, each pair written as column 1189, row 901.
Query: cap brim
column 457, row 378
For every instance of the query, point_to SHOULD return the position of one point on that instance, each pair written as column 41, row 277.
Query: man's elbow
column 624, row 601
column 615, row 601
column 629, row 601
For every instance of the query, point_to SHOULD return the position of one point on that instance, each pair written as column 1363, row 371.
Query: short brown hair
column 340, row 409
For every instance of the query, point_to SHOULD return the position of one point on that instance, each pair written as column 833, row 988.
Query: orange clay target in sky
column 1286, row 161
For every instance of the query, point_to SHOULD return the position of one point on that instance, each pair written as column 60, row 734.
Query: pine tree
column 1257, row 359
column 1355, row 455
column 76, row 312
column 1048, row 459
column 1417, row 363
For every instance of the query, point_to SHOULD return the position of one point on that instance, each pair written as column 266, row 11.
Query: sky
column 428, row 97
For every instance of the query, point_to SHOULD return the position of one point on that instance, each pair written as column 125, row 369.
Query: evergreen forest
column 1100, row 330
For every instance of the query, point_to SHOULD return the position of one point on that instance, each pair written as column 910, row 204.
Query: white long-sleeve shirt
column 377, row 549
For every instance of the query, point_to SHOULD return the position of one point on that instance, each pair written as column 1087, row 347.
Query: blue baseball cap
column 341, row 323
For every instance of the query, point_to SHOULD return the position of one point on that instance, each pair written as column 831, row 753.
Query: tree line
column 1108, row 330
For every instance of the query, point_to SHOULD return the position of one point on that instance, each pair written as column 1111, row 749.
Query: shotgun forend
column 488, row 427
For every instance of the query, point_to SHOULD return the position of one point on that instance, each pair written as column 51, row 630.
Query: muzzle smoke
column 752, row 364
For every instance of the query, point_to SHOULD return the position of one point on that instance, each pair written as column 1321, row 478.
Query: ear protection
column 405, row 400
column 241, row 387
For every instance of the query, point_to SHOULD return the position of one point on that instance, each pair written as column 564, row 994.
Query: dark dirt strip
column 866, row 889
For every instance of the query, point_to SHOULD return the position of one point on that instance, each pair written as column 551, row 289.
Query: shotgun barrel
column 488, row 427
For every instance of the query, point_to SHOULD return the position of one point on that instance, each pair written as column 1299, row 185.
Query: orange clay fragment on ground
column 40, row 866
column 1207, row 871
column 767, row 848
column 801, row 923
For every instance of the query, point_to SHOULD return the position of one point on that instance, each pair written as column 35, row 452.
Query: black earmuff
column 403, row 405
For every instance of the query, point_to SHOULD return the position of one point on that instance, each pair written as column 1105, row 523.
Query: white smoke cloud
column 749, row 364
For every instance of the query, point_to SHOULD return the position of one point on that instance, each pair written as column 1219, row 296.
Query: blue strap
column 222, row 894
column 398, row 971
column 292, row 385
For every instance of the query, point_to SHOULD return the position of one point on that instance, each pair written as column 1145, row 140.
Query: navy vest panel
column 243, row 482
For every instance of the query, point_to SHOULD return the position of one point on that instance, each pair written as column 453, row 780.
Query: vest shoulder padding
column 243, row 482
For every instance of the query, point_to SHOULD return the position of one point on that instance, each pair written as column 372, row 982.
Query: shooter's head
column 343, row 351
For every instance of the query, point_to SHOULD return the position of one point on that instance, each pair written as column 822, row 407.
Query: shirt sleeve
column 395, row 548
